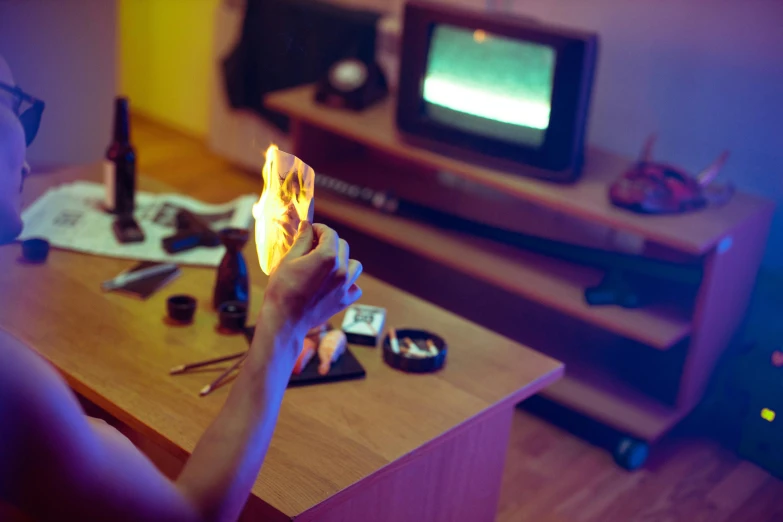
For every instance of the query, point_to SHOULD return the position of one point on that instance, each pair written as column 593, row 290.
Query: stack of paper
column 72, row 217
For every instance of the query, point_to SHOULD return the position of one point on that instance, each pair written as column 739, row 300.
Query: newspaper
column 72, row 217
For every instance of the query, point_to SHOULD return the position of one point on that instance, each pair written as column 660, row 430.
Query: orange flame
column 286, row 200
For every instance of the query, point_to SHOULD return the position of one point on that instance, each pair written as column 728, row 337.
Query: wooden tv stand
column 638, row 371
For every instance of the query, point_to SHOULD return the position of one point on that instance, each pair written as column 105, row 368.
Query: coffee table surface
column 116, row 351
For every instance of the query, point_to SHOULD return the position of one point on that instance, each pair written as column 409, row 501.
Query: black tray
column 346, row 368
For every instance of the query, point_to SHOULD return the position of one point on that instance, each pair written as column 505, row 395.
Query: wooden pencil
column 182, row 368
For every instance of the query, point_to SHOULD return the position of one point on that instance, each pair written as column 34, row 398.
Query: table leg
column 454, row 478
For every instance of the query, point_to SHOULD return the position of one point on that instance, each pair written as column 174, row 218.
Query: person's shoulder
column 14, row 352
column 21, row 369
column 33, row 397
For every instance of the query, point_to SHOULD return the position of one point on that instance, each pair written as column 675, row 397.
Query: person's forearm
column 225, row 463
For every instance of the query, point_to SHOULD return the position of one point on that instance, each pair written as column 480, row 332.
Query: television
column 493, row 88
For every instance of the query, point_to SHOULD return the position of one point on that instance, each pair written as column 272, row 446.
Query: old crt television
column 503, row 91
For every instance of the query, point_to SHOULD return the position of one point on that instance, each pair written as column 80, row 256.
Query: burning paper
column 287, row 199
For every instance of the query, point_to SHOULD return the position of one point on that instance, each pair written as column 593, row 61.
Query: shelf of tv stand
column 554, row 283
column 693, row 234
column 605, row 399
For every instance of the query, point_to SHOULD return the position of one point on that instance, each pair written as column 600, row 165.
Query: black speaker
column 760, row 374
column 745, row 400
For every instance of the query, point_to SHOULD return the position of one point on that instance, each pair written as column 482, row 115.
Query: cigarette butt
column 393, row 342
column 431, row 345
column 414, row 350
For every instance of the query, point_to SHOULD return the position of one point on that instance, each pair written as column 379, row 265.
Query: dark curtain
column 286, row 43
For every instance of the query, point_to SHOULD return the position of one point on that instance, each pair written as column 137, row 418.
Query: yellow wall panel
column 165, row 59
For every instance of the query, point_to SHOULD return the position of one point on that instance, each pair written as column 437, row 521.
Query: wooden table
column 390, row 447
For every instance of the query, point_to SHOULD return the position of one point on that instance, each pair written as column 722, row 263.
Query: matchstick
column 206, row 390
column 182, row 368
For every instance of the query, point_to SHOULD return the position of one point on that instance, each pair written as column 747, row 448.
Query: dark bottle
column 232, row 281
column 119, row 174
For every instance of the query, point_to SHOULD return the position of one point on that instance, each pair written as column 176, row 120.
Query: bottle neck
column 121, row 121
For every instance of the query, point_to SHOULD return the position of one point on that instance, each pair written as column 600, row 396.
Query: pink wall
column 64, row 52
column 706, row 74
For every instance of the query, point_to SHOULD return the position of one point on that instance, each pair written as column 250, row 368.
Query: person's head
column 12, row 157
column 20, row 115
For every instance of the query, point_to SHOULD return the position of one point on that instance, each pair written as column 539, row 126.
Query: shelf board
column 603, row 398
column 694, row 233
column 556, row 284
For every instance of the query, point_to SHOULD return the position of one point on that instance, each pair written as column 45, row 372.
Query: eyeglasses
column 28, row 109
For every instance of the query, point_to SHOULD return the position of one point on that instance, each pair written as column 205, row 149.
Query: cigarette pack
column 363, row 324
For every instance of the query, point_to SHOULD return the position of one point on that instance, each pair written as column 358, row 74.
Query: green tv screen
column 489, row 85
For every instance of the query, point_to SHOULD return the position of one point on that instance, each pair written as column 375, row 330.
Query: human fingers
column 345, row 253
column 325, row 236
column 327, row 248
column 342, row 261
column 353, row 294
column 303, row 242
column 339, row 275
column 355, row 269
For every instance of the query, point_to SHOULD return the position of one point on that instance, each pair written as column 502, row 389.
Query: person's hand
column 315, row 280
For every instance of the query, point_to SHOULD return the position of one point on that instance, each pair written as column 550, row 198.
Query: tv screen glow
column 488, row 84
column 500, row 91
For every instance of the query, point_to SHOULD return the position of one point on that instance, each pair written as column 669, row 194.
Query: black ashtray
column 411, row 364
column 181, row 308
column 233, row 315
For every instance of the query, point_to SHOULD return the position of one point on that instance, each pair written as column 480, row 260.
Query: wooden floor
column 551, row 475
